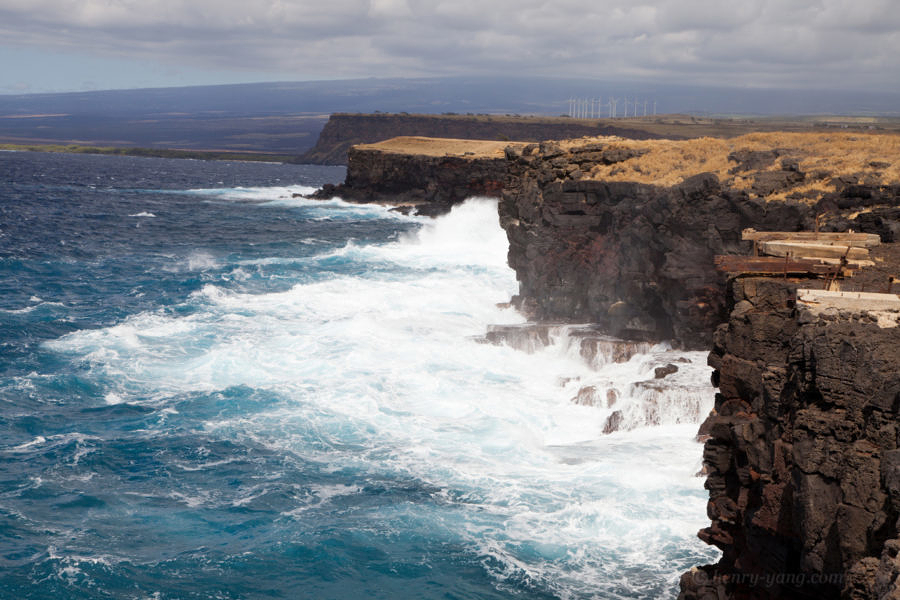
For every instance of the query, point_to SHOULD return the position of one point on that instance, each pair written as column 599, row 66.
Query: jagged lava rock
column 636, row 256
column 430, row 183
column 802, row 459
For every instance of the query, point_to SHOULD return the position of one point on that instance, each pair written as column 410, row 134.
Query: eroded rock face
column 595, row 347
column 802, row 460
column 432, row 183
column 635, row 258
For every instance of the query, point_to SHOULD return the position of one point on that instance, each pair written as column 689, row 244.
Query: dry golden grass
column 834, row 155
column 823, row 157
column 426, row 146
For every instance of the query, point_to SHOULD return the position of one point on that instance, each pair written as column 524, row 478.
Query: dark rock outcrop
column 595, row 347
column 635, row 258
column 802, row 459
column 432, row 183
column 665, row 371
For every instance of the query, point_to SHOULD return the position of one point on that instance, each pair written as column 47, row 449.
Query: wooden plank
column 819, row 300
column 856, row 264
column 812, row 250
column 839, row 243
column 765, row 260
column 857, row 240
column 770, row 266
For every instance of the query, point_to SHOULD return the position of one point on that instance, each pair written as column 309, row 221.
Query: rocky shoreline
column 800, row 449
column 426, row 175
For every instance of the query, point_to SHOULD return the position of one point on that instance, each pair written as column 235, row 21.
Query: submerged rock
column 613, row 422
column 660, row 372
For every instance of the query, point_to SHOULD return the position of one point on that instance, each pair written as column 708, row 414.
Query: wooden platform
column 840, row 251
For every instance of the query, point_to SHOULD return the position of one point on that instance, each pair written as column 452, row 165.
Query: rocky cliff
column 623, row 233
column 802, row 456
column 345, row 130
column 802, row 452
column 803, row 448
column 428, row 175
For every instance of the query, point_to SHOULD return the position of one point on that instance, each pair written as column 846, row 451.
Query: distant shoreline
column 154, row 152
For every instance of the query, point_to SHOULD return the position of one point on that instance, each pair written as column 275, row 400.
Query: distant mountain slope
column 286, row 117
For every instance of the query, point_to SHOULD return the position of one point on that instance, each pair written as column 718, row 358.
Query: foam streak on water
column 333, row 427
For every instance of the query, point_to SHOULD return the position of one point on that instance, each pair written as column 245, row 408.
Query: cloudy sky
column 64, row 45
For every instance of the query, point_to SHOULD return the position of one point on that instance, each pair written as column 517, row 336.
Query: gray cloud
column 817, row 43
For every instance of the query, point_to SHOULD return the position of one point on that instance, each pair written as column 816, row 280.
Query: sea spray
column 330, row 424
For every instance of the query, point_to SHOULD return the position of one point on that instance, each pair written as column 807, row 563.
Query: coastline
column 624, row 233
column 154, row 152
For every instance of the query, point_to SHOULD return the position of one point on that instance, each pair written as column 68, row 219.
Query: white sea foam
column 257, row 194
column 28, row 309
column 381, row 374
column 18, row 311
column 143, row 214
column 84, row 444
column 37, row 441
column 334, row 209
column 196, row 260
column 113, row 398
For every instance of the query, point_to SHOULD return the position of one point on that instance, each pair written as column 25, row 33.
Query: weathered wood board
column 812, row 250
column 766, row 265
column 857, row 240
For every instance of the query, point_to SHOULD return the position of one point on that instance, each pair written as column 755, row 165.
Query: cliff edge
column 624, row 232
column 427, row 175
column 342, row 131
column 801, row 451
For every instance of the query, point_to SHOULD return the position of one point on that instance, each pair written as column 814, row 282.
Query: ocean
column 210, row 388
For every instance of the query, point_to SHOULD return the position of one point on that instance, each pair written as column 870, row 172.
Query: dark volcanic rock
column 616, row 155
column 432, row 183
column 802, row 460
column 613, row 422
column 661, row 372
column 637, row 259
column 753, row 160
column 587, row 396
column 881, row 212
column 772, row 182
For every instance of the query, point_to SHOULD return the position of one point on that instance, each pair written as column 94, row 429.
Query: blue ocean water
column 212, row 389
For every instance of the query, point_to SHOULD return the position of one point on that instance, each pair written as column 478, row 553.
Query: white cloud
column 805, row 42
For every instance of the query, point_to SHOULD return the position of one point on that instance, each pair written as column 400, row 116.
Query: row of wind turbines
column 590, row 108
